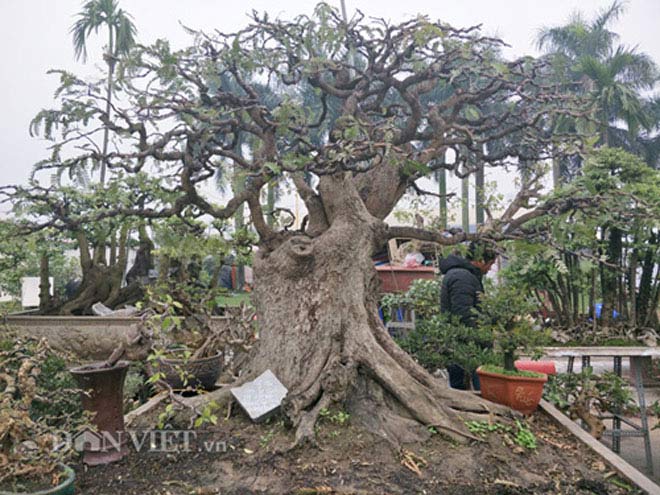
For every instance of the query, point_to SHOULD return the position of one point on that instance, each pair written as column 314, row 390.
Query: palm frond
column 126, row 33
column 608, row 15
column 96, row 14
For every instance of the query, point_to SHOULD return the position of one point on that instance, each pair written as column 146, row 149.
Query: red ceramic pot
column 522, row 393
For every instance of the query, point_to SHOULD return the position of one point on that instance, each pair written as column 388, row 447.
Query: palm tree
column 580, row 37
column 95, row 15
column 585, row 53
column 617, row 81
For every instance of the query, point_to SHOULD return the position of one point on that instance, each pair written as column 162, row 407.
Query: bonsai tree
column 442, row 340
column 507, row 313
column 589, row 397
column 38, row 405
column 371, row 125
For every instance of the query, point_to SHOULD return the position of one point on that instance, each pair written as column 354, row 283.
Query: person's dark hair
column 481, row 252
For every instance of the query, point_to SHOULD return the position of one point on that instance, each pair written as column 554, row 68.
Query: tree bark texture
column 321, row 335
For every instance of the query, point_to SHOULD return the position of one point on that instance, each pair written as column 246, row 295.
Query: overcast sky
column 34, row 37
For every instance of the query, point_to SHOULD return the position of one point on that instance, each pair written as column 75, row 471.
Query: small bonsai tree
column 442, row 340
column 39, row 404
column 507, row 313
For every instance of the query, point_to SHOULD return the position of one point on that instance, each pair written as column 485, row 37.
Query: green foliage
column 483, row 428
column 608, row 393
column 96, row 14
column 165, row 416
column 490, row 368
column 264, row 440
column 522, row 435
column 20, row 257
column 57, row 402
column 337, row 417
column 505, row 311
column 423, row 297
column 443, row 340
column 576, row 268
column 187, row 241
column 207, row 415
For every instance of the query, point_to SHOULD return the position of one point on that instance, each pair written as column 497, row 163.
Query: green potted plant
column 506, row 312
column 39, row 406
column 189, row 351
column 442, row 340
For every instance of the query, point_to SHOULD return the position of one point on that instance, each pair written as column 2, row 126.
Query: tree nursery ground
column 350, row 461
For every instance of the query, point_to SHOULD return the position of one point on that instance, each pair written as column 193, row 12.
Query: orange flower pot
column 522, row 393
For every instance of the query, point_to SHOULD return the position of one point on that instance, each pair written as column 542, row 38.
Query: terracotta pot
column 66, row 487
column 395, row 278
column 522, row 393
column 105, row 398
column 547, row 367
column 201, row 373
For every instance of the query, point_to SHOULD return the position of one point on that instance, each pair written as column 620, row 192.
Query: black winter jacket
column 461, row 286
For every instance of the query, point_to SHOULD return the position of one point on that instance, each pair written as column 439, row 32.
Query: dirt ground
column 350, row 461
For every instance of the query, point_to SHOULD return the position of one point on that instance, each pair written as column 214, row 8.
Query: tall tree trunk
column 652, row 311
column 108, row 105
column 479, row 181
column 239, row 223
column 441, row 177
column 556, row 174
column 610, row 276
column 465, row 203
column 632, row 288
column 44, row 283
column 646, row 278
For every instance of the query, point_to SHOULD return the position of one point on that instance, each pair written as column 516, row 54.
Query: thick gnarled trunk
column 102, row 281
column 321, row 336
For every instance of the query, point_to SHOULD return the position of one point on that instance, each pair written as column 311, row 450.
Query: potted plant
column 442, row 340
column 505, row 313
column 189, row 351
column 38, row 407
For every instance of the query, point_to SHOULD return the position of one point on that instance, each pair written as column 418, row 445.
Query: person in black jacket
column 459, row 295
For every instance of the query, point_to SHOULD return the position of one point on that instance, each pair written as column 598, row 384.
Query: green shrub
column 505, row 313
column 423, row 297
column 443, row 340
column 606, row 393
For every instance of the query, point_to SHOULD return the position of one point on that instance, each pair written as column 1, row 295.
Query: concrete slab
column 261, row 397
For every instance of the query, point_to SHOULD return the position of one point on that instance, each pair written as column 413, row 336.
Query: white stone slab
column 261, row 397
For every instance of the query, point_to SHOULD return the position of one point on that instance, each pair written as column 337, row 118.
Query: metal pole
column 465, row 197
column 343, row 11
column 351, row 57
